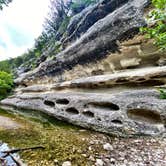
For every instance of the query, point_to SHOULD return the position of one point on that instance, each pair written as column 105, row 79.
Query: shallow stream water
column 62, row 141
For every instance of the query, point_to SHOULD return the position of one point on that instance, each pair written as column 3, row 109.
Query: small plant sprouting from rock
column 162, row 93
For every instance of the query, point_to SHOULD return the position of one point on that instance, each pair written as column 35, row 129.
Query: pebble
column 83, row 139
column 99, row 162
column 91, row 158
column 84, row 155
column 108, row 147
column 66, row 163
column 112, row 160
column 82, row 130
column 90, row 148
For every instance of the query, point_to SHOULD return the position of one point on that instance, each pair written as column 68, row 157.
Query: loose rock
column 108, row 147
column 66, row 163
column 99, row 162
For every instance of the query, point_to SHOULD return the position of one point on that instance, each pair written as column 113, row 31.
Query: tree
column 57, row 18
column 5, row 66
column 4, row 2
column 6, row 84
column 157, row 24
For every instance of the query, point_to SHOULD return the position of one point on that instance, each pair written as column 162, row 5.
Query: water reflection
column 8, row 159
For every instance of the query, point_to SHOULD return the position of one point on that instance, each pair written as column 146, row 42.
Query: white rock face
column 108, row 147
column 66, row 163
column 127, row 113
column 89, row 46
column 130, row 62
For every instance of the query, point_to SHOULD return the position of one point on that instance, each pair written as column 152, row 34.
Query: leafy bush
column 5, row 66
column 157, row 24
column 6, row 84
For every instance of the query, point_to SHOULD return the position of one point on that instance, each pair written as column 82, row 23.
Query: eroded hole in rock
column 62, row 101
column 101, row 83
column 116, row 121
column 158, row 76
column 89, row 114
column 150, row 82
column 122, row 81
column 49, row 103
column 105, row 105
column 72, row 111
column 99, row 119
column 140, row 80
column 144, row 115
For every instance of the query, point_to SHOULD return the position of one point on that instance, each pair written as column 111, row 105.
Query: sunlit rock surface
column 123, row 114
column 105, row 81
column 99, row 39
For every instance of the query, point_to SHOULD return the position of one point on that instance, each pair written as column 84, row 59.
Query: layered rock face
column 99, row 39
column 81, row 22
column 106, row 80
column 124, row 114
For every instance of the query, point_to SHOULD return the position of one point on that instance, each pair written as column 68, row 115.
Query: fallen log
column 22, row 149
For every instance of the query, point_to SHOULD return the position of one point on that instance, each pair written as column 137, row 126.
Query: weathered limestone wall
column 101, row 93
column 135, row 53
column 124, row 114
column 99, row 39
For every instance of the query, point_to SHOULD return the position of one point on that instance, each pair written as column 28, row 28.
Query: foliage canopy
column 157, row 24
column 6, row 84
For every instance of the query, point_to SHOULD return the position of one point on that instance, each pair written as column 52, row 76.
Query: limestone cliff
column 105, row 80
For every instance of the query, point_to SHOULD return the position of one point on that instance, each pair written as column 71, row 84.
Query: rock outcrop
column 97, row 41
column 80, row 23
column 106, row 103
column 124, row 114
column 106, row 80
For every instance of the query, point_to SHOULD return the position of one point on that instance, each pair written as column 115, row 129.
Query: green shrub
column 6, row 84
column 157, row 24
column 162, row 93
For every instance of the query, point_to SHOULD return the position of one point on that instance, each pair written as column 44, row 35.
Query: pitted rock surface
column 124, row 114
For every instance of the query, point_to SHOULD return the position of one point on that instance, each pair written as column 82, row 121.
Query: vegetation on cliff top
column 157, row 24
